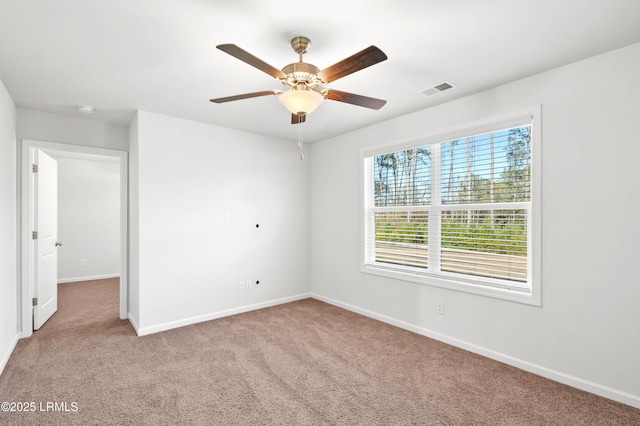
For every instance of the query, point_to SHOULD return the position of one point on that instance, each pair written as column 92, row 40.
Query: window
column 458, row 210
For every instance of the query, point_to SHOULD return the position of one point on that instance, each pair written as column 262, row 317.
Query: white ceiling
column 159, row 55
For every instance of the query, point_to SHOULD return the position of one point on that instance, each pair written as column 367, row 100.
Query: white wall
column 47, row 127
column 201, row 190
column 8, row 228
column 88, row 219
column 134, row 226
column 587, row 332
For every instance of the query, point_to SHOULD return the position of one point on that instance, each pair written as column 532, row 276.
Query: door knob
column 58, row 243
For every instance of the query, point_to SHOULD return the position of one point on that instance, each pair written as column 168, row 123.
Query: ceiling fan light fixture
column 301, row 100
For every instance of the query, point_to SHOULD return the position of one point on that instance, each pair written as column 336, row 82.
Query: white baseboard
column 576, row 382
column 215, row 315
column 7, row 355
column 89, row 278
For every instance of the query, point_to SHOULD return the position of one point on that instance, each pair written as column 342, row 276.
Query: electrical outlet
column 83, row 263
column 249, row 284
column 440, row 307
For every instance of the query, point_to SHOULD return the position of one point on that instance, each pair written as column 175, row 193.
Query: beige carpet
column 303, row 363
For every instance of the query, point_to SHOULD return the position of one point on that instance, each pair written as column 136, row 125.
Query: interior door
column 45, row 249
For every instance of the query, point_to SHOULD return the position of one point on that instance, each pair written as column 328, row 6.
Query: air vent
column 438, row 88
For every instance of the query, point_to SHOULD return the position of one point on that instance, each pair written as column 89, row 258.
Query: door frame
column 27, row 215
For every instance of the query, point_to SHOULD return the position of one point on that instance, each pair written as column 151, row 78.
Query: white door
column 46, row 244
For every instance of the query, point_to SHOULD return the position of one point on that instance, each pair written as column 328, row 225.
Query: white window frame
column 531, row 292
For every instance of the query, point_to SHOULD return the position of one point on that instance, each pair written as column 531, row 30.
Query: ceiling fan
column 305, row 82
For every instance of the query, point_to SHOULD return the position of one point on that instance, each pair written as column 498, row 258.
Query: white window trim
column 533, row 295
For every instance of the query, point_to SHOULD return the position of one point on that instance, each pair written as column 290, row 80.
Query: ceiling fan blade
column 247, row 57
column 361, row 60
column 351, row 98
column 245, row 96
column 298, row 118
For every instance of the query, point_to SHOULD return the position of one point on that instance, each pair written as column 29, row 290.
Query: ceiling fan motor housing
column 301, row 73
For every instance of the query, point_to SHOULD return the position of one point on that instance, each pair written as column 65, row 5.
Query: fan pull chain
column 300, row 141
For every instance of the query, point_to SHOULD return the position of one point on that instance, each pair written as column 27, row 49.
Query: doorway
column 30, row 148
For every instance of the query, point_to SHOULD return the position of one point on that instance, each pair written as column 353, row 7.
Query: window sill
column 519, row 295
